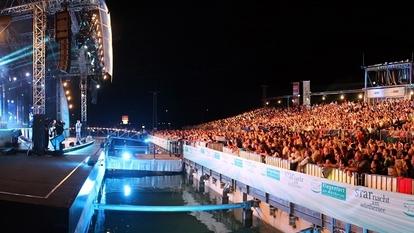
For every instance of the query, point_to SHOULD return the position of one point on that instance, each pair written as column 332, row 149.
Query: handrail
column 184, row 208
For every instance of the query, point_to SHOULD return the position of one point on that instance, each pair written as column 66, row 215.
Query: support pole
column 83, row 86
column 225, row 198
column 40, row 140
column 247, row 217
column 39, row 57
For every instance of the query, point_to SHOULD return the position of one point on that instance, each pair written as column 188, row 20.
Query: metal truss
column 39, row 57
column 21, row 7
column 40, row 9
column 116, row 133
column 83, row 85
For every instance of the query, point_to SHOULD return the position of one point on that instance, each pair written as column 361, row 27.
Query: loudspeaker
column 64, row 55
column 63, row 37
column 40, row 136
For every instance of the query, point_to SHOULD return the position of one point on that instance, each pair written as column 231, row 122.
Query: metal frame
column 39, row 57
column 39, row 9
column 53, row 6
column 115, row 133
column 83, row 84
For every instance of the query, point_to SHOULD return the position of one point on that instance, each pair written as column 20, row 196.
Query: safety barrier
column 385, row 183
column 250, row 156
column 26, row 132
column 313, row 170
column 343, row 177
column 215, row 146
column 278, row 162
column 390, row 211
column 227, row 150
column 405, row 185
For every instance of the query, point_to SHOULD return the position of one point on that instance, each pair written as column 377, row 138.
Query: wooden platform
column 38, row 192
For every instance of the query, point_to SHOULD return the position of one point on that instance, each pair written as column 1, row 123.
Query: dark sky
column 213, row 55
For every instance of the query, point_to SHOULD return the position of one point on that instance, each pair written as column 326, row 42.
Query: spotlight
column 411, row 92
column 374, row 83
column 126, row 155
column 27, row 74
column 147, row 140
column 14, row 78
column 70, row 106
column 67, row 92
column 85, row 47
column 98, row 86
column 65, row 84
column 69, row 98
column 342, row 97
column 267, row 102
column 360, row 96
column 323, row 98
column 127, row 190
column 279, row 101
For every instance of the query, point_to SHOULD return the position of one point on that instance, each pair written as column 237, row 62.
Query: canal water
column 164, row 191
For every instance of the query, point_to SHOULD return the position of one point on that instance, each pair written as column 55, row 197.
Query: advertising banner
column 386, row 92
column 372, row 209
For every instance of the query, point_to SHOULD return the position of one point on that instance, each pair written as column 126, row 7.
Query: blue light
column 147, row 140
column 87, row 187
column 127, row 190
column 126, row 155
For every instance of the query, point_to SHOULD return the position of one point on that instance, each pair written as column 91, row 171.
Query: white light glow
column 126, row 155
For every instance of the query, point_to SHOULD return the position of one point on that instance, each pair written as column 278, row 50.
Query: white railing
column 385, row 183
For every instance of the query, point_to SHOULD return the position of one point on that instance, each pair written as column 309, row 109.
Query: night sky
column 212, row 55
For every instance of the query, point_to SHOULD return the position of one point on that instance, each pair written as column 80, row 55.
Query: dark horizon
column 216, row 55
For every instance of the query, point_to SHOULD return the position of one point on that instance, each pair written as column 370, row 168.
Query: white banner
column 386, row 92
column 371, row 209
column 306, row 93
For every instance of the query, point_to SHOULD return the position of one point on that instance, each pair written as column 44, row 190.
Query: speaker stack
column 63, row 37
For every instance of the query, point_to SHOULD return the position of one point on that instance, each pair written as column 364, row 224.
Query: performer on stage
column 57, row 135
column 78, row 129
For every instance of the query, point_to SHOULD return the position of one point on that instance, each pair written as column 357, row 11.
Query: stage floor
column 44, row 179
column 41, row 185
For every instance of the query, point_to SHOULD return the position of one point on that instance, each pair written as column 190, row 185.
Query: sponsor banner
column 306, row 93
column 386, row 92
column 371, row 209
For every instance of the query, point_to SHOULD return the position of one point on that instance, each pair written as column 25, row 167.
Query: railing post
column 348, row 228
column 247, row 217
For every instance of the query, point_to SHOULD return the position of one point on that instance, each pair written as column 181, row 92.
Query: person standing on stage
column 78, row 127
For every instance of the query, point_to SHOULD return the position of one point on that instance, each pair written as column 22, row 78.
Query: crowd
column 352, row 136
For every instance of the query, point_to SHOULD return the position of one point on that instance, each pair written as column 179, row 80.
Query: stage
column 48, row 193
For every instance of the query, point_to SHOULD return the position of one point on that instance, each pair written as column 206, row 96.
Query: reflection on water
column 162, row 191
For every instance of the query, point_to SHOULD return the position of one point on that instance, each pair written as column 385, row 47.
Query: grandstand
column 365, row 143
